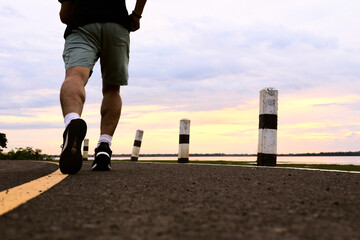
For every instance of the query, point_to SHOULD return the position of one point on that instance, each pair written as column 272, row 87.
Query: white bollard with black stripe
column 184, row 141
column 268, row 121
column 137, row 144
column 86, row 150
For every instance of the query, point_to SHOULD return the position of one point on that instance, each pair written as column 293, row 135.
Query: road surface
column 184, row 201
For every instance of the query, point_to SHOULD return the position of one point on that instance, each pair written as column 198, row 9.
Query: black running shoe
column 71, row 157
column 102, row 158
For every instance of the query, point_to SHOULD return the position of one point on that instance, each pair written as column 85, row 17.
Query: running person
column 96, row 29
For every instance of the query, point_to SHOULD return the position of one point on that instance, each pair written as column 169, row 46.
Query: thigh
column 114, row 57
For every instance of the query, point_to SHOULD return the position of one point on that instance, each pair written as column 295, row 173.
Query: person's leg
column 110, row 112
column 114, row 59
column 80, row 54
column 72, row 97
column 110, row 108
column 110, row 115
column 72, row 93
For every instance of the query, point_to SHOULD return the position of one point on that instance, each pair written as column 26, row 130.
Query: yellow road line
column 14, row 197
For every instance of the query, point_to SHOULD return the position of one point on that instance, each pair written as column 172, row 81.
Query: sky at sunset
column 202, row 60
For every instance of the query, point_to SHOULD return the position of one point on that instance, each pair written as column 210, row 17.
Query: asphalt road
column 14, row 173
column 183, row 201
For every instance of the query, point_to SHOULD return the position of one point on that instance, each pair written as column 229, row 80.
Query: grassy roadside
column 354, row 168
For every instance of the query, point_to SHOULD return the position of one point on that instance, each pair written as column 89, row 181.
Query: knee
column 75, row 79
column 77, row 75
column 110, row 89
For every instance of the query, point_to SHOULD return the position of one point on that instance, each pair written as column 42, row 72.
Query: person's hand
column 134, row 22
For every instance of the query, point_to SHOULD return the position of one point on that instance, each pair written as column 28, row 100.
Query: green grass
column 354, row 168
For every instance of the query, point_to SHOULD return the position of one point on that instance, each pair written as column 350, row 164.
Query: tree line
column 27, row 153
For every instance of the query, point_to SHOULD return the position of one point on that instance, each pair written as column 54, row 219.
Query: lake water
column 280, row 159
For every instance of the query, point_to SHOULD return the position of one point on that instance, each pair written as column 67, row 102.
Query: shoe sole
column 71, row 157
column 100, row 168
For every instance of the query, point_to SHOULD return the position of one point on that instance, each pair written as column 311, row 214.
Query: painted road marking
column 16, row 196
column 255, row 166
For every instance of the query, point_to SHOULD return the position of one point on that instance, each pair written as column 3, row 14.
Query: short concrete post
column 137, row 144
column 184, row 140
column 86, row 150
column 268, row 119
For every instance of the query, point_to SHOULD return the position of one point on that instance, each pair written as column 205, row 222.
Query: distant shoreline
column 321, row 154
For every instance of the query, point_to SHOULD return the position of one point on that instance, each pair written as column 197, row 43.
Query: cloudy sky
column 197, row 59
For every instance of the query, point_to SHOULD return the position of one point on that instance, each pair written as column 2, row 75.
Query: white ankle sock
column 69, row 117
column 105, row 138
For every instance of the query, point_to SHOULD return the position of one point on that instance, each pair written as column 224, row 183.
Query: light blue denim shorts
column 108, row 41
